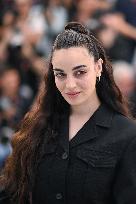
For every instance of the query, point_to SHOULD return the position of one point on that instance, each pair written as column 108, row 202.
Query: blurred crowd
column 27, row 30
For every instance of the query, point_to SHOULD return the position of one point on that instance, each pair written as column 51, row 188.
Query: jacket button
column 64, row 155
column 58, row 196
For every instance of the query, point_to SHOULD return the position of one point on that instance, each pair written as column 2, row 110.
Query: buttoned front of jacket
column 97, row 166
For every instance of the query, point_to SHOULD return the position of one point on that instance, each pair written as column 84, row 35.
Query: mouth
column 72, row 93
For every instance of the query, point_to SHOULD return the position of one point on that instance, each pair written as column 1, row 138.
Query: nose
column 70, row 82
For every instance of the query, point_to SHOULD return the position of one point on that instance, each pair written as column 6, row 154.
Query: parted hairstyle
column 41, row 123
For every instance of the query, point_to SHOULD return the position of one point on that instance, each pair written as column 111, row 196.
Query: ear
column 99, row 67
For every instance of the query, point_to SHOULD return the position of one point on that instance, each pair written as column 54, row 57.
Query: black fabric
column 4, row 198
column 98, row 166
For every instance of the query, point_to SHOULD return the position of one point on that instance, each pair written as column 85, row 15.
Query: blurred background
column 27, row 31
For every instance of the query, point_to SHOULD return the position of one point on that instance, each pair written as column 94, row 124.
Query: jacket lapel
column 101, row 118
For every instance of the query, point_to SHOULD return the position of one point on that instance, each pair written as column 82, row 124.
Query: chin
column 74, row 103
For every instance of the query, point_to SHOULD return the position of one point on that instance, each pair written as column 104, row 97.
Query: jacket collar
column 102, row 117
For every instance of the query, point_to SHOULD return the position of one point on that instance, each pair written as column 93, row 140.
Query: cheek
column 59, row 85
column 87, row 83
column 83, row 85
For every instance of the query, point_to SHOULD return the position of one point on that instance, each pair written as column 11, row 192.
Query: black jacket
column 98, row 166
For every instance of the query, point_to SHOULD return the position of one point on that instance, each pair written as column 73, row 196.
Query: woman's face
column 75, row 74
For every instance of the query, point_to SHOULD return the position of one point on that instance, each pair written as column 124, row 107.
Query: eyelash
column 60, row 75
column 80, row 73
column 76, row 74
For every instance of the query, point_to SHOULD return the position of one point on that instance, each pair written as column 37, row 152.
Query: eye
column 60, row 75
column 80, row 73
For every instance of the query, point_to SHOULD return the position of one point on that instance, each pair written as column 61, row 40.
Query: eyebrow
column 74, row 68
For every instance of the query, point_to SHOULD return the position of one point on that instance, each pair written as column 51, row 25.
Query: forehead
column 71, row 56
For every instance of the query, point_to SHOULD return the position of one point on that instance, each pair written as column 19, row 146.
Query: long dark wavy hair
column 41, row 123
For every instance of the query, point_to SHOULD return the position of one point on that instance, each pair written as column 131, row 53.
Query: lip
column 72, row 93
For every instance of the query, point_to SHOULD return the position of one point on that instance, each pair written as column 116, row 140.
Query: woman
column 77, row 145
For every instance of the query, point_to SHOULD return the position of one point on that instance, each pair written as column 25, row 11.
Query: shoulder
column 123, row 130
column 106, row 117
column 123, row 123
column 117, row 125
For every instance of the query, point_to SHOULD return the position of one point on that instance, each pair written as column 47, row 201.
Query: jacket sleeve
column 124, row 191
